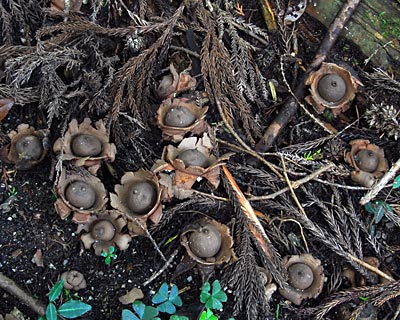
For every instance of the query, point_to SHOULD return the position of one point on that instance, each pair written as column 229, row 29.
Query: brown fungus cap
column 73, row 280
column 27, row 148
column 86, row 145
column 139, row 198
column 205, row 165
column 331, row 87
column 215, row 247
column 103, row 231
column 178, row 116
column 306, row 278
column 368, row 160
column 81, row 193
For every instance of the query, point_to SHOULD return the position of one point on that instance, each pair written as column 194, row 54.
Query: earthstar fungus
column 81, row 193
column 178, row 116
column 174, row 83
column 104, row 230
column 368, row 160
column 331, row 87
column 208, row 244
column 73, row 280
column 306, row 278
column 190, row 160
column 86, row 145
column 27, row 147
column 138, row 197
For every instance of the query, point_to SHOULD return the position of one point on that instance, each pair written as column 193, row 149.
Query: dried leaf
column 131, row 296
column 5, row 106
column 38, row 258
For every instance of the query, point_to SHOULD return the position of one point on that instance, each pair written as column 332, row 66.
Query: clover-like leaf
column 128, row 315
column 56, row 290
column 145, row 312
column 73, row 309
column 208, row 315
column 214, row 299
column 167, row 300
column 378, row 209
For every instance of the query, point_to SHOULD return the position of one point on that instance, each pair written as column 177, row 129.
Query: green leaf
column 217, row 292
column 396, row 182
column 175, row 317
column 128, row 315
column 162, row 294
column 378, row 208
column 51, row 312
column 167, row 307
column 104, row 254
column 56, row 290
column 111, row 250
column 42, row 318
column 208, row 315
column 144, row 312
column 205, row 292
column 73, row 309
column 108, row 260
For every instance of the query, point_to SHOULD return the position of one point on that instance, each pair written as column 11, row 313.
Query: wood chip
column 131, row 296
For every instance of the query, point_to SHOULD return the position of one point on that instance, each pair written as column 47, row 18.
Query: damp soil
column 29, row 222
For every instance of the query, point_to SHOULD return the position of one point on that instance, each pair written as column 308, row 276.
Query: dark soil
column 29, row 222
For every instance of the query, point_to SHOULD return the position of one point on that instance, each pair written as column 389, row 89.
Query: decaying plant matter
column 85, row 145
column 104, row 230
column 175, row 83
column 81, row 193
column 192, row 159
column 368, row 160
column 138, row 197
column 27, row 148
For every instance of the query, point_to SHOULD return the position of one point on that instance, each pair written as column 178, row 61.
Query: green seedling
column 364, row 299
column 311, row 156
column 278, row 307
column 71, row 309
column 109, row 255
column 13, row 192
column 380, row 207
column 167, row 300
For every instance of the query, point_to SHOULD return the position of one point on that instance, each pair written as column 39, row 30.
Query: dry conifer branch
column 294, row 184
column 291, row 106
column 381, row 184
column 11, row 287
column 164, row 267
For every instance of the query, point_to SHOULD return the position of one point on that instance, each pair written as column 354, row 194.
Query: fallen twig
column 381, row 184
column 164, row 267
column 292, row 104
column 11, row 287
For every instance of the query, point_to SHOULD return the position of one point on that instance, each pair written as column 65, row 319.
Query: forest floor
column 106, row 62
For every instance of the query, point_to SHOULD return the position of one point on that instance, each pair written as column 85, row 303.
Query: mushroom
column 306, row 278
column 178, row 116
column 139, row 198
column 73, row 280
column 331, row 87
column 368, row 160
column 208, row 243
column 190, row 160
column 81, row 193
column 104, row 231
column 85, row 145
column 27, row 147
column 174, row 83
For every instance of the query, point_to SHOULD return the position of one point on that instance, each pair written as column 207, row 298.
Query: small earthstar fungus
column 174, row 83
column 208, row 244
column 306, row 278
column 27, row 147
column 73, row 280
column 138, row 197
column 80, row 193
column 104, row 230
column 331, row 87
column 192, row 159
column 178, row 116
column 368, row 160
column 85, row 145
